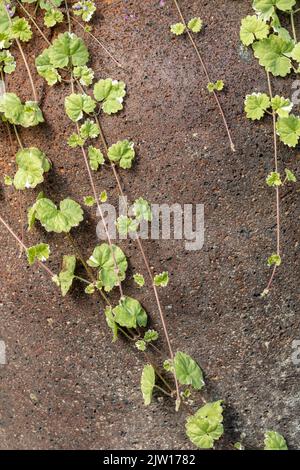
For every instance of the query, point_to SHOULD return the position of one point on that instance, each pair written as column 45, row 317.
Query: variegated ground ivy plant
column 278, row 52
column 66, row 60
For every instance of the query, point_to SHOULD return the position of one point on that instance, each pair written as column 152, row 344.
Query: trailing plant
column 278, row 51
column 195, row 26
column 66, row 59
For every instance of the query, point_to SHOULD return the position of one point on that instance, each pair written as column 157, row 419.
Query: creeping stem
column 276, row 189
column 203, row 65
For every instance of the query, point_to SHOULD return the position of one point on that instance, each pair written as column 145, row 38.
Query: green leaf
column 296, row 52
column 20, row 29
column 147, row 383
column 282, row 106
column 39, row 252
column 205, row 426
column 31, row 115
column 32, row 211
column 7, row 62
column 53, row 17
column 288, row 129
column 141, row 345
column 90, row 289
column 178, row 29
column 274, row 441
column 162, row 279
column 253, row 28
column 75, row 141
column 32, row 164
column 139, row 279
column 274, row 54
column 96, row 158
column 103, row 196
column 290, row 177
column 110, row 320
column 150, row 335
column 59, row 220
column 142, row 210
column 256, row 105
column 11, row 106
column 103, row 259
column 85, row 9
column 195, row 25
column 45, row 68
column 126, row 225
column 76, row 105
column 267, row 7
column 84, row 74
column 8, row 180
column 110, row 93
column 89, row 130
column 48, row 4
column 122, row 153
column 187, row 371
column 238, row 446
column 274, row 259
column 274, row 179
column 66, row 276
column 89, row 201
column 129, row 313
column 67, row 50
column 4, row 18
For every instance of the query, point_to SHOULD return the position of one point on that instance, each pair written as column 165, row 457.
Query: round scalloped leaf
column 267, row 7
column 111, row 93
column 122, row 153
column 32, row 163
column 288, row 129
column 11, row 106
column 106, row 261
column 253, row 28
column 256, row 105
column 68, row 49
column 40, row 252
column 31, row 115
column 205, row 426
column 59, row 220
column 7, row 62
column 274, row 441
column 45, row 68
column 274, row 54
column 76, row 105
column 129, row 313
column 20, row 29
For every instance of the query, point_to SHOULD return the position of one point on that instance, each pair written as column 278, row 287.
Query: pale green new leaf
column 126, row 225
column 11, row 106
column 274, row 259
column 84, row 74
column 45, row 68
column 178, row 29
column 162, row 279
column 274, row 54
column 103, row 259
column 7, row 62
column 8, row 180
column 53, row 17
column 68, row 49
column 122, row 153
column 75, row 141
column 20, row 29
column 288, row 129
column 89, row 130
column 150, row 335
column 142, row 210
column 256, row 105
column 59, row 220
column 66, row 276
column 85, row 9
column 31, row 115
column 274, row 179
column 129, row 313
column 195, row 25
column 187, row 371
column 253, row 28
column 76, row 105
column 282, row 106
column 139, row 279
column 147, row 383
column 290, row 177
column 39, row 252
column 274, row 441
column 111, row 93
column 96, row 157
